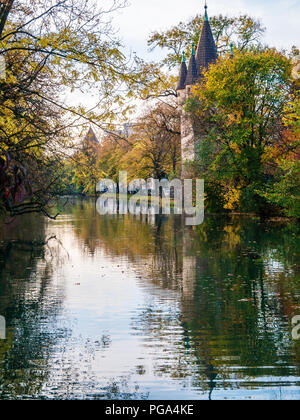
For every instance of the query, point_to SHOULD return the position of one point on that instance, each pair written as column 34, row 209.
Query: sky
column 280, row 17
column 136, row 22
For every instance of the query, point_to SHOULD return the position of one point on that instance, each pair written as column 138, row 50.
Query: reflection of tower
column 200, row 60
column 2, row 328
column 188, row 269
column 196, row 340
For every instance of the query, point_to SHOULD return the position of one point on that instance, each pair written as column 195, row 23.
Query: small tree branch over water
column 52, row 50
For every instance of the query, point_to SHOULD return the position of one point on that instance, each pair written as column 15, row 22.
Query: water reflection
column 27, row 302
column 142, row 306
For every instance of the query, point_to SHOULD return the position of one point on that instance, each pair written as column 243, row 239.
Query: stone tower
column 200, row 59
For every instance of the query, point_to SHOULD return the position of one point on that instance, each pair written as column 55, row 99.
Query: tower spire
column 206, row 15
column 182, row 74
column 207, row 50
column 192, row 73
column 201, row 58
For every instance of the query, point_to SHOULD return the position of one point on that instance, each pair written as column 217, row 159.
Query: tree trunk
column 5, row 8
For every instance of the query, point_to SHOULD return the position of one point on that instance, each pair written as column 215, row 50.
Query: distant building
column 90, row 144
column 91, row 138
column 125, row 131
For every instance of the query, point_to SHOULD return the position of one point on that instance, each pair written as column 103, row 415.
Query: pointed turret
column 182, row 74
column 91, row 137
column 207, row 50
column 192, row 74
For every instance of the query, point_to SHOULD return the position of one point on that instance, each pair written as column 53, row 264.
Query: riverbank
column 170, row 201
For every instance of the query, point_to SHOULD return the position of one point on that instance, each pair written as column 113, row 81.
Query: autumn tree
column 51, row 49
column 285, row 192
column 239, row 108
column 155, row 144
column 85, row 165
column 112, row 154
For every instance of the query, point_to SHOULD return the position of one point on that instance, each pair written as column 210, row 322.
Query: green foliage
column 239, row 110
column 285, row 193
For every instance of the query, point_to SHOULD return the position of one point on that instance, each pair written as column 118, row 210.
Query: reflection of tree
column 156, row 244
column 220, row 297
column 25, row 284
column 236, row 307
column 119, row 389
column 239, row 286
column 41, row 358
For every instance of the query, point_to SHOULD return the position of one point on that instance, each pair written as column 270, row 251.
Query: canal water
column 138, row 307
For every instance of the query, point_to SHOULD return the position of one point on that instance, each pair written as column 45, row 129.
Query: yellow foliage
column 235, row 148
column 233, row 237
column 232, row 198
